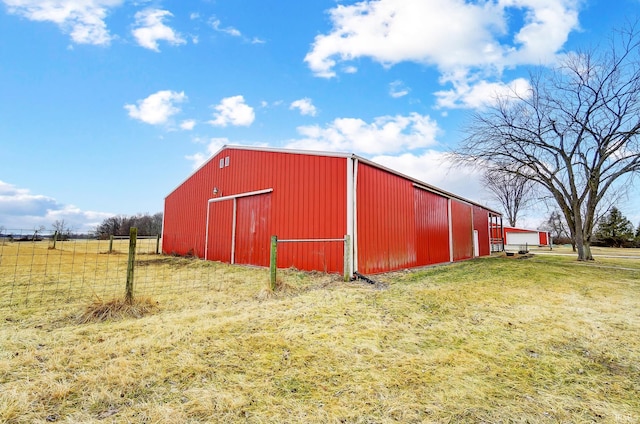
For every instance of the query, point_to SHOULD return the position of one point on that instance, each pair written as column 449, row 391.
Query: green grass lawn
column 540, row 340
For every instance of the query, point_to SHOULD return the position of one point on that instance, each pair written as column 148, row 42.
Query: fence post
column 273, row 263
column 158, row 245
column 133, row 236
column 111, row 244
column 55, row 239
column 347, row 258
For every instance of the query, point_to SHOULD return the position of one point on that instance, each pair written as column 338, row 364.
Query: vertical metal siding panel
column 307, row 198
column 386, row 227
column 220, row 231
column 462, row 230
column 371, row 253
column 440, row 231
column 252, row 230
column 432, row 227
column 185, row 217
column 422, row 235
column 481, row 224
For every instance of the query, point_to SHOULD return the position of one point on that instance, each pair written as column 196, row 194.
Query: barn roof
column 417, row 182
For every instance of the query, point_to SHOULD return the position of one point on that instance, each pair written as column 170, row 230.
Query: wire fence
column 36, row 268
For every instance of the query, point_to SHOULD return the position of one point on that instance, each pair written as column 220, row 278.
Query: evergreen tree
column 614, row 229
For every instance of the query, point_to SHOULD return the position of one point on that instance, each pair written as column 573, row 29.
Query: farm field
column 539, row 340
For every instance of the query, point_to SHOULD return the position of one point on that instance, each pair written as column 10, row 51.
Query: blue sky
column 107, row 105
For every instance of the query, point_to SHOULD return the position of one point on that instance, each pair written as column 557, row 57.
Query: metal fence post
column 273, row 263
column 133, row 236
column 347, row 258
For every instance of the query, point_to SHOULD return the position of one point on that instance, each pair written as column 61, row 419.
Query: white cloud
column 483, row 93
column 436, row 168
column 22, row 210
column 386, row 134
column 82, row 19
column 446, row 33
column 157, row 108
column 188, row 124
column 469, row 42
column 397, row 89
column 305, row 106
column 216, row 24
column 233, row 111
column 150, row 28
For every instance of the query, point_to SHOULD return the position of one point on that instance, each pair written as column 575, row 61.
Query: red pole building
column 228, row 209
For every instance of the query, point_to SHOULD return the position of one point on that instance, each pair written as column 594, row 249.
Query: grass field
column 497, row 340
column 36, row 273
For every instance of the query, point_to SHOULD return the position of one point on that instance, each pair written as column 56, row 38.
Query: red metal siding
column 462, row 230
column 432, row 227
column 252, row 230
column 544, row 239
column 308, row 201
column 386, row 224
column 220, row 231
column 182, row 234
column 481, row 225
column 398, row 225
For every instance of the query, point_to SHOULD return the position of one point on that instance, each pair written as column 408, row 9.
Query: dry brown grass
column 539, row 340
column 117, row 309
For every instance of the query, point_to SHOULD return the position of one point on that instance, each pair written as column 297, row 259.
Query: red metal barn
column 228, row 209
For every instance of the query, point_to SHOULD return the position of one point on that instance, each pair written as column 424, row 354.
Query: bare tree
column 62, row 228
column 556, row 226
column 511, row 190
column 575, row 132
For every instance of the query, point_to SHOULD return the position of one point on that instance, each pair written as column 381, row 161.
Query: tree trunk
column 580, row 246
column 587, row 251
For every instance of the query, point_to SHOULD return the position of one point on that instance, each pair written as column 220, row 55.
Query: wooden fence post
column 133, row 236
column 273, row 263
column 55, row 239
column 158, row 245
column 111, row 244
column 347, row 258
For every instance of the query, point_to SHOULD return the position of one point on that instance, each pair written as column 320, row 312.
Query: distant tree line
column 612, row 230
column 120, row 225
